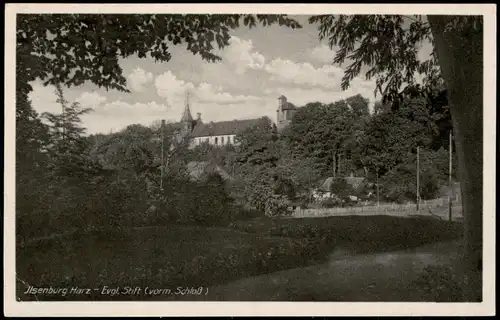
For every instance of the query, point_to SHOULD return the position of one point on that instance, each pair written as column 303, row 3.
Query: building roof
column 223, row 127
column 354, row 182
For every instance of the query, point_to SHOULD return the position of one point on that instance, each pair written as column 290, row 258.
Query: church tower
column 187, row 120
column 285, row 113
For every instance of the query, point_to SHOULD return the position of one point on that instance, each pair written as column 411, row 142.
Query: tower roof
column 186, row 116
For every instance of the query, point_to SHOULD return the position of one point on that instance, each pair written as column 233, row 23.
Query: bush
column 101, row 202
column 277, row 206
column 341, row 188
column 204, row 202
column 329, row 203
column 117, row 201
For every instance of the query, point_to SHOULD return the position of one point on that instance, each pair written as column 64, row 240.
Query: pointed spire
column 186, row 117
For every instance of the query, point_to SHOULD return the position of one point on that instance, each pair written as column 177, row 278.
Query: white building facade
column 225, row 132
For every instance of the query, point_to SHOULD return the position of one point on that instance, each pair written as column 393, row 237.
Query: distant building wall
column 216, row 140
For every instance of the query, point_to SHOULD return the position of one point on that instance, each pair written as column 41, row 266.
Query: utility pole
column 449, row 178
column 378, row 198
column 418, row 178
column 162, row 151
column 340, row 164
column 334, row 163
column 63, row 105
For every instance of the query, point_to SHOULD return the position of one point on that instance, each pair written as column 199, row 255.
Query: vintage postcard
column 249, row 159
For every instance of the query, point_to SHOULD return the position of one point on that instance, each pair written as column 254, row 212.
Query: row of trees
column 340, row 139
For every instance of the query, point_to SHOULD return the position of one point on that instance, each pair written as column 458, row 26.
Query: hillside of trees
column 72, row 181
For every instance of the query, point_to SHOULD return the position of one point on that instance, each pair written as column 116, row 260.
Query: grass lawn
column 168, row 257
column 358, row 234
column 162, row 257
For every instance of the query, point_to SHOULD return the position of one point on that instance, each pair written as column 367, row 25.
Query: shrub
column 204, row 202
column 341, row 188
column 329, row 203
column 277, row 206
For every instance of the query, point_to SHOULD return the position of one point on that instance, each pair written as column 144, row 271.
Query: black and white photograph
column 256, row 153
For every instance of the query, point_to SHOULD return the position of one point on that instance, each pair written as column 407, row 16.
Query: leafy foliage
column 130, row 149
column 265, row 182
column 358, row 105
column 385, row 141
column 67, row 147
column 387, row 44
column 69, row 49
column 399, row 183
column 321, row 132
column 341, row 188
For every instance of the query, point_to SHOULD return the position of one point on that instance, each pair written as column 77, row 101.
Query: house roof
column 354, row 182
column 223, row 127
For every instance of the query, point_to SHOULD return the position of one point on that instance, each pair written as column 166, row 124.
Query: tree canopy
column 69, row 49
column 388, row 46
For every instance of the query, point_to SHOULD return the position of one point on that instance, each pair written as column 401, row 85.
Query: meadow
column 193, row 256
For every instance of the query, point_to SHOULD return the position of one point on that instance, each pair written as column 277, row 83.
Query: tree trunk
column 460, row 55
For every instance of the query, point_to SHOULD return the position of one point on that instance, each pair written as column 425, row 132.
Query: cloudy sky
column 259, row 65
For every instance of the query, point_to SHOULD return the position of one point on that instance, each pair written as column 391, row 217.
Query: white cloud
column 138, row 78
column 287, row 71
column 171, row 88
column 43, row 98
column 322, row 54
column 206, row 92
column 174, row 90
column 121, row 108
column 240, row 54
column 118, row 114
column 302, row 96
column 91, row 100
column 214, row 102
